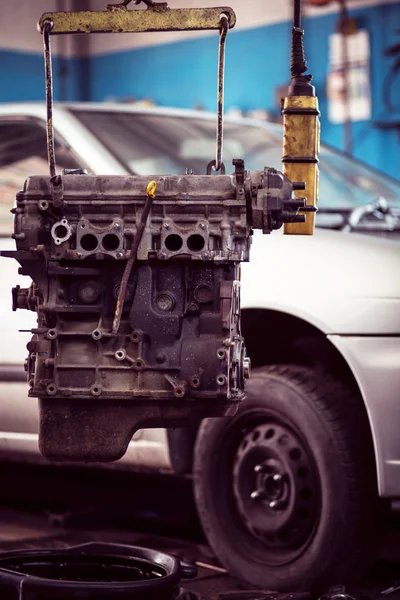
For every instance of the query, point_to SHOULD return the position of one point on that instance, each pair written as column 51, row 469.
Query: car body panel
column 375, row 365
column 358, row 291
column 346, row 285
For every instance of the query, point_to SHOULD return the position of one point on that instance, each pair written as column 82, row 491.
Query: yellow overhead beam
column 121, row 20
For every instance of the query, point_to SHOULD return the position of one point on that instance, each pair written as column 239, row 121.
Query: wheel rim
column 276, row 486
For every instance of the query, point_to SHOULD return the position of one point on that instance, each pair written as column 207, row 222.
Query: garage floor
column 53, row 507
column 18, row 530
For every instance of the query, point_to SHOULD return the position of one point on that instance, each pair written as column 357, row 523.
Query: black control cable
column 297, row 14
column 301, row 84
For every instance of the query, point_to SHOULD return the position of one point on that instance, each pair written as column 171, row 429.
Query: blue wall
column 22, row 77
column 183, row 74
column 377, row 147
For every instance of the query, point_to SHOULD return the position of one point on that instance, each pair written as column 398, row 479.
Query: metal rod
column 49, row 98
column 132, row 259
column 224, row 20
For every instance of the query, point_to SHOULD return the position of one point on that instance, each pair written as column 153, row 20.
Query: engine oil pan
column 93, row 571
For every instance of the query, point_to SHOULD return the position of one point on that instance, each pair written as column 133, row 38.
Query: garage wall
column 21, row 53
column 250, row 13
column 180, row 70
column 380, row 148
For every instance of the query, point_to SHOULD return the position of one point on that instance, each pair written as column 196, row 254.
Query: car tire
column 286, row 490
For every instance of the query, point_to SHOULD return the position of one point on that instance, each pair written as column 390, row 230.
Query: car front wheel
column 286, row 489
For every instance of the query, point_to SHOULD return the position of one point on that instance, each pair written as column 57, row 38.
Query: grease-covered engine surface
column 114, row 351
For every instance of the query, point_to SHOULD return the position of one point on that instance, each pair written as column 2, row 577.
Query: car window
column 151, row 144
column 23, row 152
column 155, row 144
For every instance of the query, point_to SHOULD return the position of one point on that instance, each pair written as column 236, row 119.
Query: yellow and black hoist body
column 301, row 129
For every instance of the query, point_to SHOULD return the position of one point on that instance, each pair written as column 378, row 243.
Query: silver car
column 291, row 483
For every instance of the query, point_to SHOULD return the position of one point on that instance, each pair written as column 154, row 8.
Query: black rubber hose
column 301, row 83
column 297, row 14
column 298, row 63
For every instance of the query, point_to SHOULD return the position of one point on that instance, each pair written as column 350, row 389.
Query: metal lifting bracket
column 118, row 19
column 156, row 17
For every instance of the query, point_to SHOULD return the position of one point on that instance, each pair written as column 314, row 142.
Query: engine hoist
column 136, row 280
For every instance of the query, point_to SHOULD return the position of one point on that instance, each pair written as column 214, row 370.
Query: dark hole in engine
column 110, row 242
column 195, row 242
column 173, row 242
column 89, row 242
column 61, row 231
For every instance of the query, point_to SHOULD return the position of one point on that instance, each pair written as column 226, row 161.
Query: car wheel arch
column 293, row 340
column 276, row 337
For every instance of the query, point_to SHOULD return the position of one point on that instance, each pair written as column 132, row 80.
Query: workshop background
column 134, row 305
column 179, row 69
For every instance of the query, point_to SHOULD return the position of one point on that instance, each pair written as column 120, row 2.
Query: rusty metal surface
column 151, row 194
column 157, row 17
column 174, row 353
column 178, row 354
column 118, row 19
column 220, row 94
column 117, row 349
column 49, row 97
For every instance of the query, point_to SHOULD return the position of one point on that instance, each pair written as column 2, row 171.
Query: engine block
column 178, row 354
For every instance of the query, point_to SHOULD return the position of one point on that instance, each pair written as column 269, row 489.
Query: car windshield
column 150, row 144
